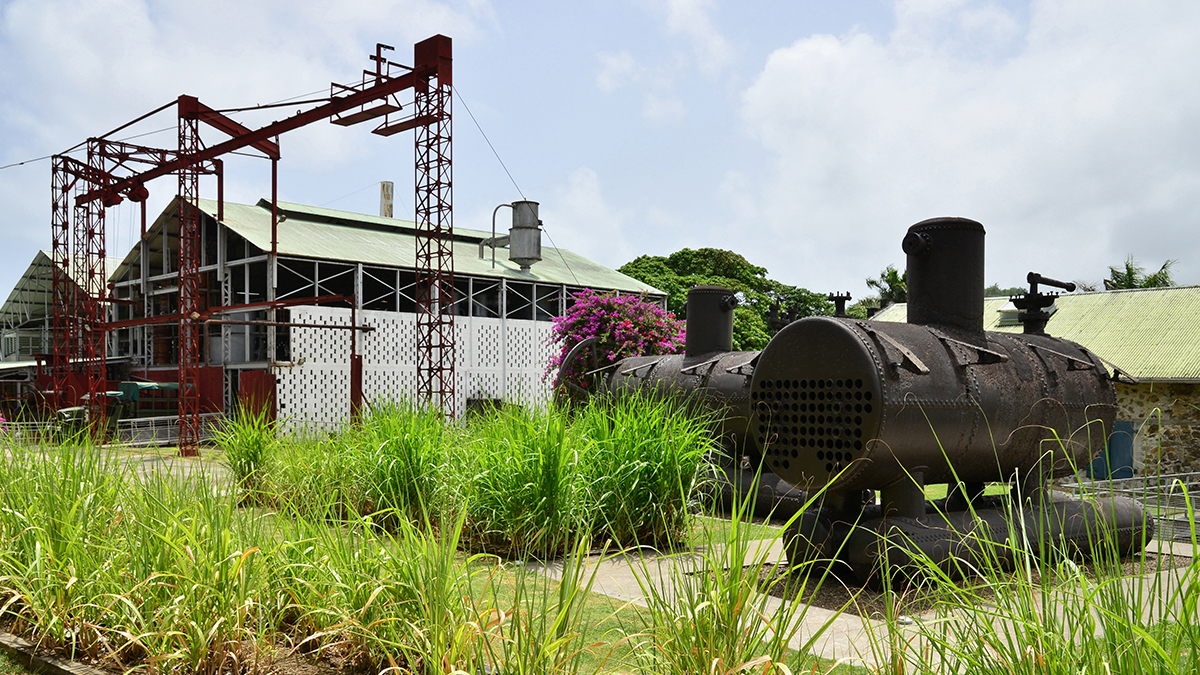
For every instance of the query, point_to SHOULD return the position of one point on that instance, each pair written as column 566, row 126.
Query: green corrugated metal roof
column 328, row 234
column 1151, row 333
column 34, row 291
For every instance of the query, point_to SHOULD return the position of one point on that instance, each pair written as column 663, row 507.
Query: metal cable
column 514, row 182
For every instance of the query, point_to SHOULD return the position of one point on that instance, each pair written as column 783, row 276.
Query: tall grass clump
column 247, row 440
column 401, row 450
column 529, row 478
column 168, row 573
column 390, row 463
column 526, row 493
column 623, row 470
column 644, row 457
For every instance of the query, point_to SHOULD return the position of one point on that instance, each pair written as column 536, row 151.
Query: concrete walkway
column 630, row 576
column 841, row 636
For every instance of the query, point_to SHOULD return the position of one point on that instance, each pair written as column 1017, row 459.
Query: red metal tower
column 189, row 279
column 435, row 232
column 63, row 180
column 80, row 327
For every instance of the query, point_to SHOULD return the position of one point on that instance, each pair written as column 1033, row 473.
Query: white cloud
column 1074, row 139
column 691, row 19
column 660, row 103
column 580, row 219
column 663, row 108
column 79, row 67
column 616, row 71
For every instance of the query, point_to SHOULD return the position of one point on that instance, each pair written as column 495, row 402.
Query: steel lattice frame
column 90, row 262
column 435, row 259
column 63, row 306
column 189, row 286
column 81, row 192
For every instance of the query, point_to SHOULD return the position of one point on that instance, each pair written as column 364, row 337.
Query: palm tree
column 1132, row 275
column 891, row 284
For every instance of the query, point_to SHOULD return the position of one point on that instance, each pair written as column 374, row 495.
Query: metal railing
column 134, row 432
column 1166, row 497
column 145, row 431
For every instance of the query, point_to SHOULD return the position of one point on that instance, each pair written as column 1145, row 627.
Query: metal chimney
column 386, row 194
column 525, row 237
column 945, row 273
column 709, row 320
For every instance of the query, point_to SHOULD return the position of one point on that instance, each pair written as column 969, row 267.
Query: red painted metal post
column 189, row 280
column 93, row 281
column 435, row 228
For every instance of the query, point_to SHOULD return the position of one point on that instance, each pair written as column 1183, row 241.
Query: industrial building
column 337, row 268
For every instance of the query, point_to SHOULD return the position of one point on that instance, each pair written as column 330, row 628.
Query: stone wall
column 1167, row 419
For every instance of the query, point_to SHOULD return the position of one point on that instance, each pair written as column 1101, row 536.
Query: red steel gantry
column 82, row 191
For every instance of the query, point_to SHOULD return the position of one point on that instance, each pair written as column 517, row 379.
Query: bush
column 624, row 325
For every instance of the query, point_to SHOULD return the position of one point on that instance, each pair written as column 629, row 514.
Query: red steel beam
column 63, row 308
column 384, row 88
column 92, row 276
column 228, row 309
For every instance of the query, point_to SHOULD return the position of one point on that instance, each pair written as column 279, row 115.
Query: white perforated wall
column 495, row 358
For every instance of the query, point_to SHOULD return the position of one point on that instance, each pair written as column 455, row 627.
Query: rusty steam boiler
column 857, row 408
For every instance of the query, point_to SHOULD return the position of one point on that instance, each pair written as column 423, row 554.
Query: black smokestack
column 945, row 273
column 709, row 320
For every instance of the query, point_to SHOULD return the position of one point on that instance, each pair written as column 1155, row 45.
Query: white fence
column 494, row 359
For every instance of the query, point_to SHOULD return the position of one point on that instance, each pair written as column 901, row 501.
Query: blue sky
column 805, row 135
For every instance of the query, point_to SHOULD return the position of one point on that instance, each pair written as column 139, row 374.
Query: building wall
column 495, row 358
column 1167, row 417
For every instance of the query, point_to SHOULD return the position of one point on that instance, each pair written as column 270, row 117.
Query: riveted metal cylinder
column 861, row 405
column 718, row 383
column 945, row 273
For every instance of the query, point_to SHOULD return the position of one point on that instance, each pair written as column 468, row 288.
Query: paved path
column 843, row 636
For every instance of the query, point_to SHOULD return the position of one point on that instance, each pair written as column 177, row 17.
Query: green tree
column 994, row 291
column 1132, row 275
column 758, row 294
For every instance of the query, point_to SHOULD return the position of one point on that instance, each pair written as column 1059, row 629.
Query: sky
column 805, row 135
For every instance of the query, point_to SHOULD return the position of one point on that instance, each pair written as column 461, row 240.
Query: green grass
column 1029, row 606
column 708, row 529
column 10, row 667
column 355, row 544
column 351, row 543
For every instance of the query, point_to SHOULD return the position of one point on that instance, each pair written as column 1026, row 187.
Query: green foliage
column 678, row 272
column 712, row 612
column 994, row 291
column 528, row 481
column 859, row 308
column 1132, row 275
column 891, row 284
column 402, row 448
column 624, row 470
column 247, row 438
